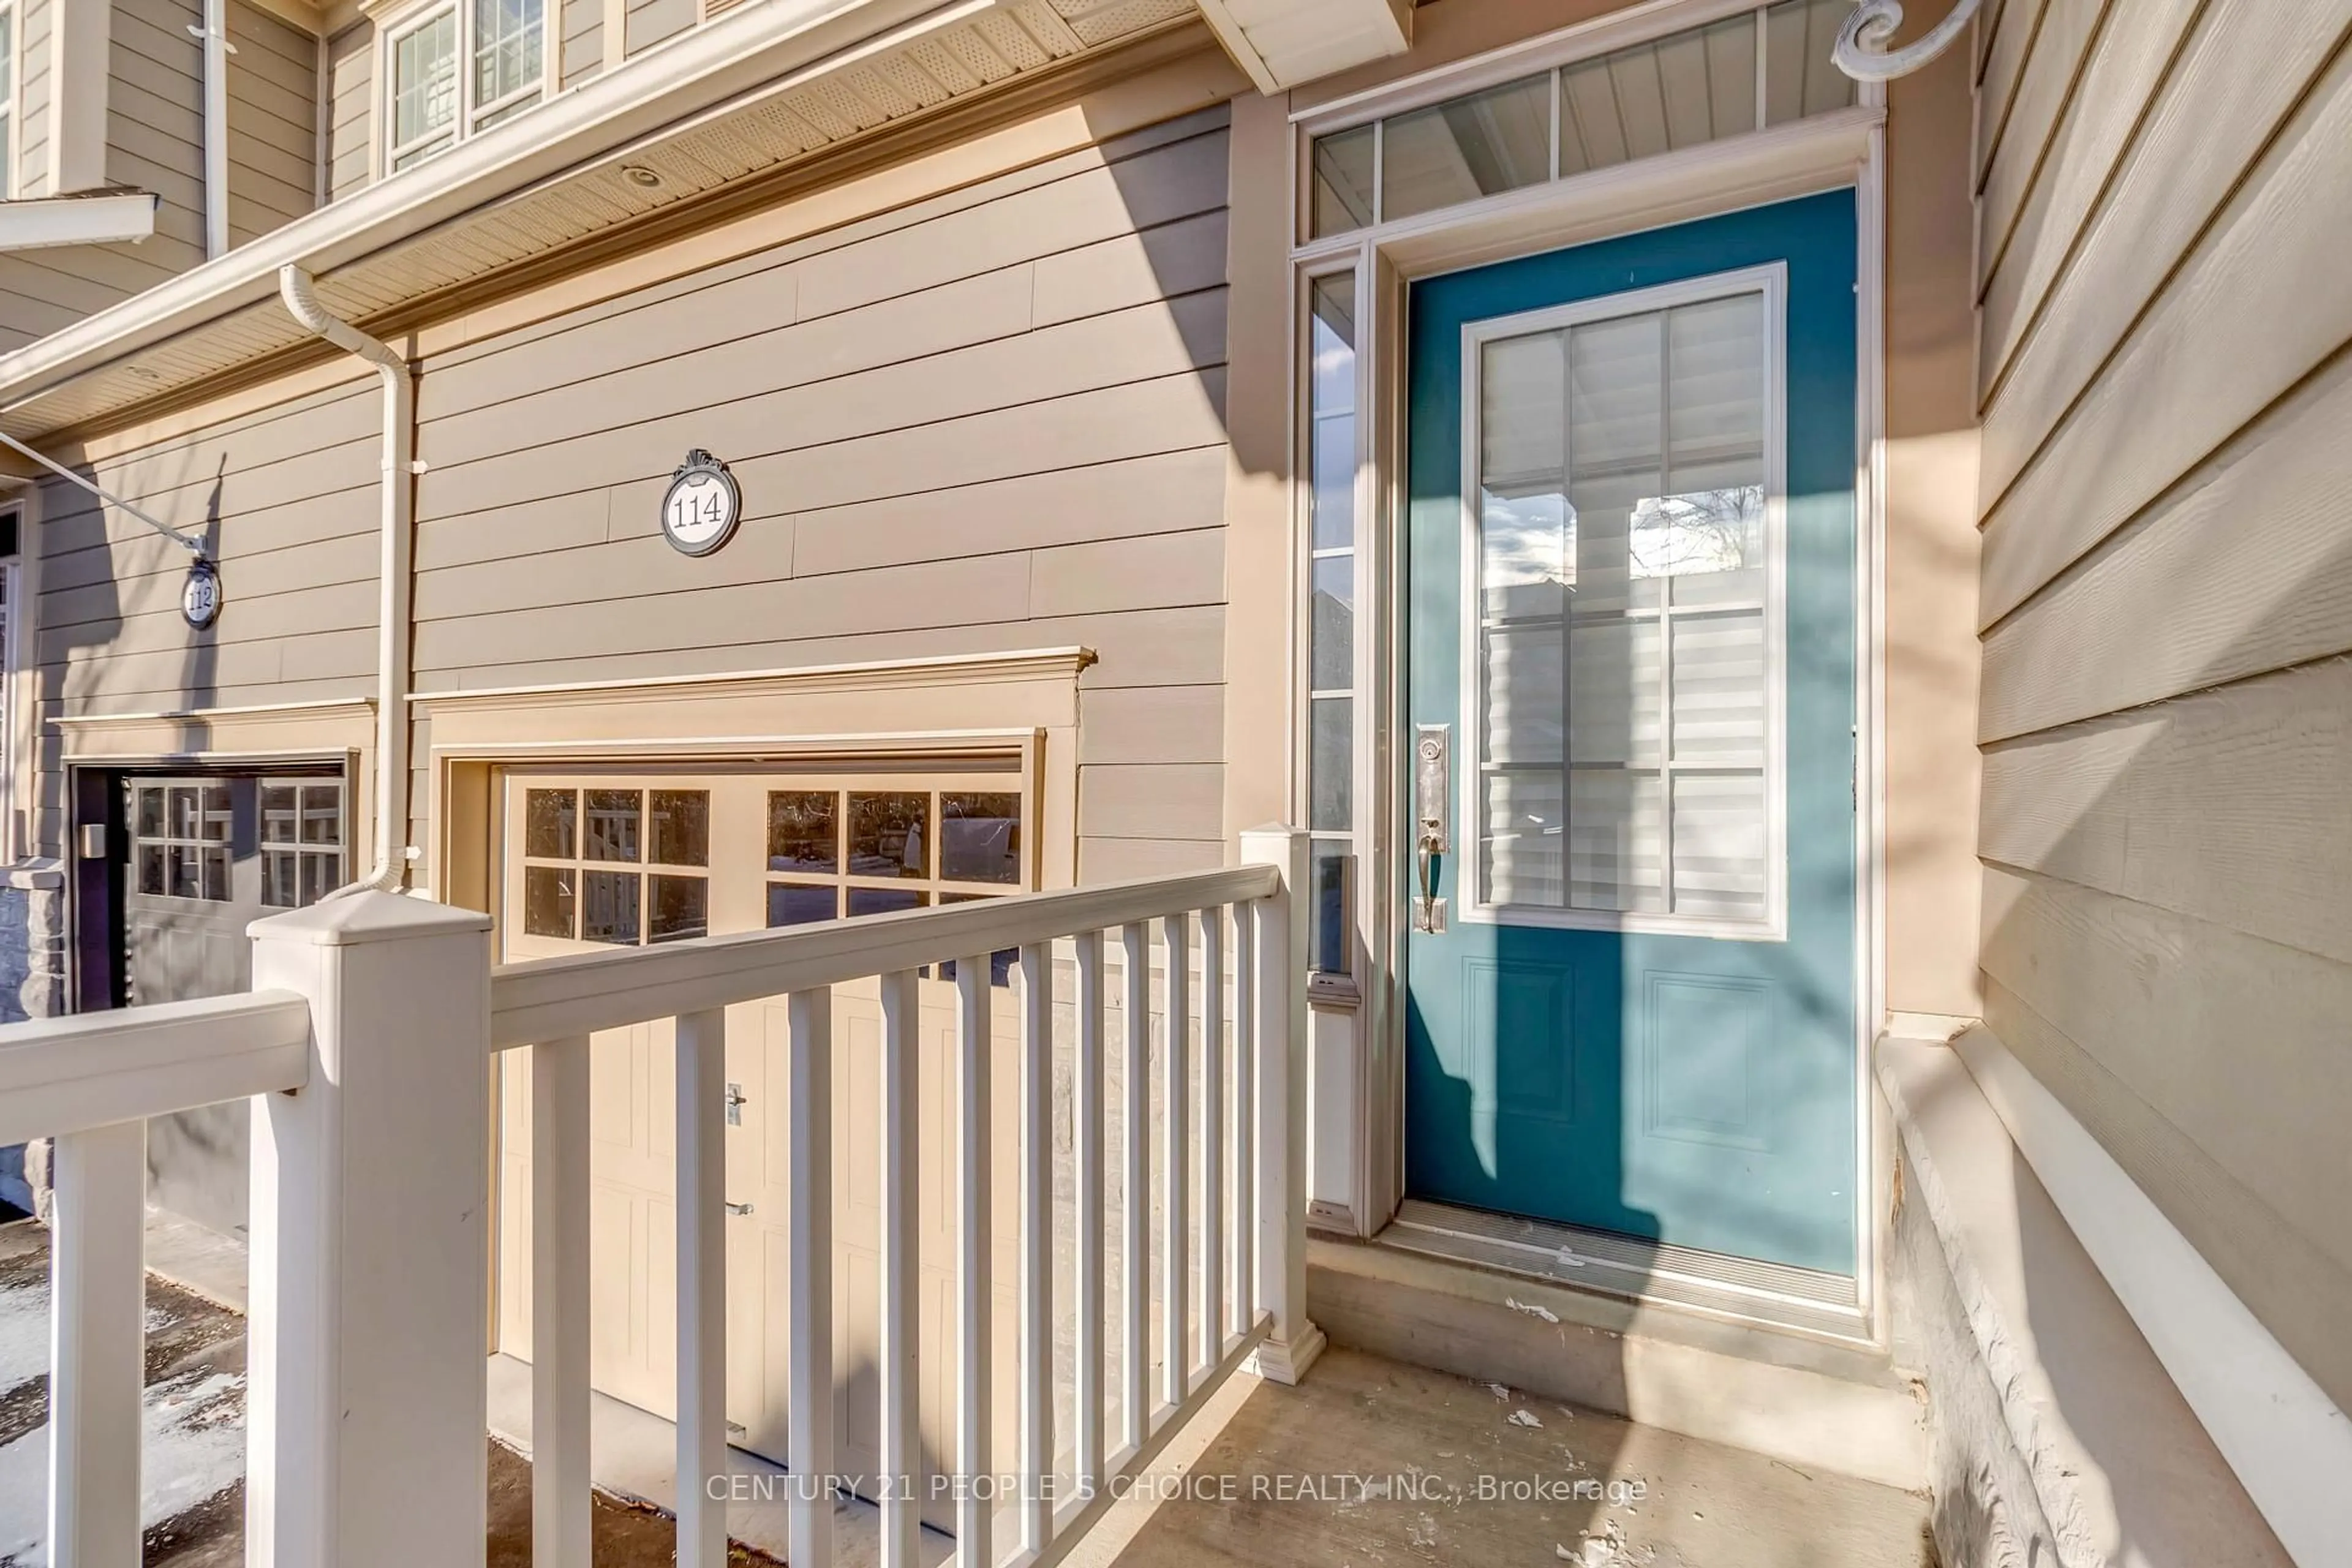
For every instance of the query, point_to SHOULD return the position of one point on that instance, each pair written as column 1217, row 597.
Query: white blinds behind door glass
column 1621, row 596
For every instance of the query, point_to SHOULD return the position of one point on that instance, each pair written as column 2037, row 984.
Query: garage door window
column 623, row 867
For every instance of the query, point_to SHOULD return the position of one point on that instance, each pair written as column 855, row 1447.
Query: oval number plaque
column 701, row 505
column 200, row 599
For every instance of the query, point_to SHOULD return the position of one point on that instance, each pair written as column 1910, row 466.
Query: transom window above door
column 1753, row 67
column 457, row 67
column 1624, row 624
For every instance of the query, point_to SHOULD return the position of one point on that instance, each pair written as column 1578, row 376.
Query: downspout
column 217, row 48
column 390, row 868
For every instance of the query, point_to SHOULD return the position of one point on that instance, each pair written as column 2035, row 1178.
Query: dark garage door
column 208, row 854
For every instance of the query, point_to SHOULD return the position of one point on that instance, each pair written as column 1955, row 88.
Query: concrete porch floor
column 1371, row 1462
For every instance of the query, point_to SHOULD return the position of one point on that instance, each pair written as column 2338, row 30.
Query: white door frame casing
column 1844, row 149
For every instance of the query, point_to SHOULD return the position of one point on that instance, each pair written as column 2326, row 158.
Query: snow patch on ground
column 24, row 1335
column 193, row 1432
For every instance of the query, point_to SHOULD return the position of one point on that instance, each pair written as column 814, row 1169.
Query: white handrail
column 60, row 1076
column 556, row 999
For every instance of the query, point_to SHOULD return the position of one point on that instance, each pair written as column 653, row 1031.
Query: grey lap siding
column 273, row 122
column 990, row 422
column 2166, row 366
column 351, row 87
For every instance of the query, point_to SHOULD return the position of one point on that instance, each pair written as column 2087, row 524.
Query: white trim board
column 2290, row 1446
column 39, row 223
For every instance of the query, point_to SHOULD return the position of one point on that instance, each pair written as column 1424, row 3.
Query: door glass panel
column 1498, row 140
column 1343, row 182
column 1622, row 562
column 1331, row 765
column 608, row 906
column 980, row 838
column 548, row 901
column 611, row 817
column 888, row 836
column 803, row 832
column 680, row 820
column 550, row 817
column 886, row 901
column 681, row 909
column 802, row 903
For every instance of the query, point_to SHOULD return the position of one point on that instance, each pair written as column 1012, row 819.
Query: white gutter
column 217, row 48
column 40, row 221
column 742, row 54
column 391, row 868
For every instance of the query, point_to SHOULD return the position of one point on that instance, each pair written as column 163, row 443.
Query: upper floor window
column 459, row 67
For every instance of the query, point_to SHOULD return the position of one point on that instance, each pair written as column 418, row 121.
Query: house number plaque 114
column 699, row 509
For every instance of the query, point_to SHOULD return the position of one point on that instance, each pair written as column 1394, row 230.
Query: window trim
column 1770, row 281
column 14, row 68
column 1549, row 55
column 399, row 23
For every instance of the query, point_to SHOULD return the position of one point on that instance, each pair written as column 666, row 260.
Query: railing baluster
column 1036, row 1357
column 701, row 1051
column 975, row 1263
column 1176, row 1087
column 809, row 1331
column 98, row 1296
column 1212, row 1142
column 1089, row 1139
column 1245, row 1129
column 560, row 1394
column 1136, row 1296
column 902, row 1458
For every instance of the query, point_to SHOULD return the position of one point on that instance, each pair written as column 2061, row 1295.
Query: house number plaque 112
column 700, row 508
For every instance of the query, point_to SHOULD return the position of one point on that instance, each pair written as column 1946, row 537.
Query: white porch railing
column 370, row 1240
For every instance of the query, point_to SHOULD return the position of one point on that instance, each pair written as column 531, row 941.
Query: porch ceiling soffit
column 745, row 95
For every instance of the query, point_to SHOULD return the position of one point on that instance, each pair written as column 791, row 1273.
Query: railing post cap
column 1281, row 832
column 362, row 917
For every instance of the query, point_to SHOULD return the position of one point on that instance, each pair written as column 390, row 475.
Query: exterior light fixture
column 1862, row 52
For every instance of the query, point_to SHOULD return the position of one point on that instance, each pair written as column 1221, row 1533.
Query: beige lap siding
column 350, row 109
column 273, row 122
column 2166, row 344
column 990, row 420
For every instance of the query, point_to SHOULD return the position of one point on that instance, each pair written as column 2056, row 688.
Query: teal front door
column 1631, row 568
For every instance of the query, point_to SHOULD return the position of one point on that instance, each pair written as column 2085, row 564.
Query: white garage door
column 626, row 859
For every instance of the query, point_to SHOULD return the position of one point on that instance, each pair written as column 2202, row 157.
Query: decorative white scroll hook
column 1861, row 50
